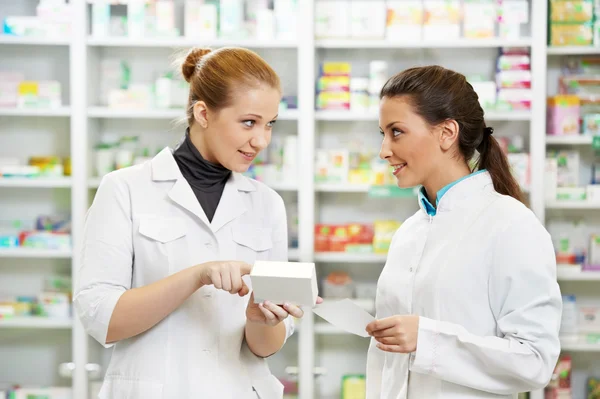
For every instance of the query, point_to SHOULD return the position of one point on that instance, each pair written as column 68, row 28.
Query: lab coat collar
column 164, row 168
column 462, row 192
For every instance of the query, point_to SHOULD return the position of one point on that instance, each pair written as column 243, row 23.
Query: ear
column 448, row 134
column 200, row 113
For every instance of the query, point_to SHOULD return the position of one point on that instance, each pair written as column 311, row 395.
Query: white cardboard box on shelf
column 285, row 282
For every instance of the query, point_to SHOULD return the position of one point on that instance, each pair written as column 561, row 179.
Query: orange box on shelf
column 339, row 239
column 322, row 237
column 360, row 238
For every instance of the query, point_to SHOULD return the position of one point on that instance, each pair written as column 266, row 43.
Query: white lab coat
column 146, row 224
column 481, row 274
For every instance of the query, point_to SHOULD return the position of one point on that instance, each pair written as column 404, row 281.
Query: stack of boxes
column 333, row 86
column 355, row 237
column 513, row 78
column 572, row 23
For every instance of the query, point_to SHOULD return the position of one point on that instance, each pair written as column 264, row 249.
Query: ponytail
column 493, row 159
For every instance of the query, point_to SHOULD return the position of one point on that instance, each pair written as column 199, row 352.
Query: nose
column 260, row 141
column 385, row 151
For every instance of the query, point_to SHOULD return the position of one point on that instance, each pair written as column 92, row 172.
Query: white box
column 404, row 20
column 368, row 19
column 285, row 282
column 332, row 19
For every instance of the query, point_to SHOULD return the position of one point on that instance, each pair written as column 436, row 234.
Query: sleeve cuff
column 97, row 317
column 424, row 359
column 290, row 327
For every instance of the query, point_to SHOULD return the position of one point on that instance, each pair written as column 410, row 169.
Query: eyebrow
column 391, row 124
column 260, row 117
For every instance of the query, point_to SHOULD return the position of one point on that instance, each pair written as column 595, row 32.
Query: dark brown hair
column 213, row 75
column 438, row 94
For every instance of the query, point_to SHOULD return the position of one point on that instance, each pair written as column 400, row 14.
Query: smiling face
column 233, row 136
column 410, row 144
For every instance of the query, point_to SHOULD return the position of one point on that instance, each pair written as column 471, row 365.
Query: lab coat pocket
column 252, row 243
column 161, row 242
column 117, row 387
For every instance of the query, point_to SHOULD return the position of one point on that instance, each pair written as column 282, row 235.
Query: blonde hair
column 213, row 75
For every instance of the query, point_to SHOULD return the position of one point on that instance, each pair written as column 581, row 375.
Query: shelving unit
column 31, row 253
column 59, row 182
column 41, row 112
column 182, row 42
column 569, row 140
column 573, row 273
column 316, row 202
column 36, row 323
column 33, row 41
column 383, row 44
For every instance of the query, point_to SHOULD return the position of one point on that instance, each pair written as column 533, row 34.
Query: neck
column 197, row 137
column 443, row 177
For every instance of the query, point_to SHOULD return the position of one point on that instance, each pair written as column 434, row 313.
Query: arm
column 107, row 306
column 109, row 309
column 526, row 301
column 262, row 339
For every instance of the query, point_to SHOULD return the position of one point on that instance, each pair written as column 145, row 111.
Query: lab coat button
column 411, row 269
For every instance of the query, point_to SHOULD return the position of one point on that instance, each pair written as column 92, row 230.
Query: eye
column 249, row 123
column 381, row 132
column 270, row 124
column 397, row 132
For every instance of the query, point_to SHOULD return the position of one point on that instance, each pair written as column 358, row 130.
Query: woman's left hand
column 270, row 314
column 395, row 334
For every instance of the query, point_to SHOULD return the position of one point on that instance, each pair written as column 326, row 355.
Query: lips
column 397, row 168
column 247, row 155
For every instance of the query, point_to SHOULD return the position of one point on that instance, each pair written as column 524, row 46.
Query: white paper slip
column 346, row 315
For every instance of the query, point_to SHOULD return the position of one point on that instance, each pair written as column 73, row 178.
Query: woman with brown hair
column 467, row 304
column 167, row 245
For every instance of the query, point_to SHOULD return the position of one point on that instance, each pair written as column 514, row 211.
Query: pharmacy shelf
column 49, row 112
column 566, row 204
column 570, row 345
column 420, row 44
column 573, row 50
column 183, row 42
column 574, row 273
column 569, row 140
column 507, row 116
column 33, row 41
column 35, row 322
column 322, row 328
column 31, row 253
column 40, row 182
column 342, row 188
column 293, row 254
column 345, row 257
column 119, row 113
column 349, row 116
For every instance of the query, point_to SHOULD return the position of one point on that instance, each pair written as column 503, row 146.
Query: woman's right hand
column 225, row 275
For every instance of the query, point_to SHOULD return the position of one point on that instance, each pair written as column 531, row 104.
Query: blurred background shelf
column 35, row 253
column 35, row 323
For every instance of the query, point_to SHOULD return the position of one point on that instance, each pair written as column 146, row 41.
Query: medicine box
column 285, row 282
column 563, row 114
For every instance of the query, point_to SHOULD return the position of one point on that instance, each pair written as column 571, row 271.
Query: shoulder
column 122, row 184
column 126, row 176
column 264, row 196
column 516, row 224
column 512, row 213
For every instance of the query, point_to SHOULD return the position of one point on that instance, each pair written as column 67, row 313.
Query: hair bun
column 191, row 62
